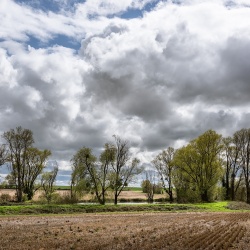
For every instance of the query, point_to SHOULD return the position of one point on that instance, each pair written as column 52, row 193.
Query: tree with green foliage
column 98, row 175
column 79, row 176
column 18, row 141
column 104, row 171
column 149, row 187
column 3, row 154
column 47, row 183
column 199, row 163
column 163, row 163
column 35, row 163
column 92, row 174
column 84, row 175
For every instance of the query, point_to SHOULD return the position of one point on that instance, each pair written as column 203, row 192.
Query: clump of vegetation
column 4, row 198
column 236, row 205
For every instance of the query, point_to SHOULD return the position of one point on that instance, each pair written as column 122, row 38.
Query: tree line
column 209, row 166
column 206, row 167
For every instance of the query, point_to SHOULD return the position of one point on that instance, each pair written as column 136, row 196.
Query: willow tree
column 200, row 164
column 35, row 163
column 80, row 181
column 3, row 154
column 93, row 174
column 18, row 141
column 113, row 170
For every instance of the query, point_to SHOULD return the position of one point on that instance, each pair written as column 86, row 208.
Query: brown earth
column 127, row 231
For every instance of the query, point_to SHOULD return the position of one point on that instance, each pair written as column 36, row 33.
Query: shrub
column 5, row 198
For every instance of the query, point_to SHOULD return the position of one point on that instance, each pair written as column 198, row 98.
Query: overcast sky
column 156, row 73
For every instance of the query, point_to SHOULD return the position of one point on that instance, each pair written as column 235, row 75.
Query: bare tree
column 163, row 163
column 243, row 137
column 18, row 141
column 124, row 168
column 231, row 159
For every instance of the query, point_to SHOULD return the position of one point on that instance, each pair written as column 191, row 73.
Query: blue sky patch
column 137, row 13
column 60, row 40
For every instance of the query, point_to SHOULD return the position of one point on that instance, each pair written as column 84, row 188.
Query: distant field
column 125, row 189
column 129, row 194
column 62, row 187
column 138, row 189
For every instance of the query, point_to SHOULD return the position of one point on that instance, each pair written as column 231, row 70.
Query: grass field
column 95, row 208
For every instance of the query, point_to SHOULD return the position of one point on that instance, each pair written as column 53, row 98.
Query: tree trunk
column 103, row 197
column 248, row 194
column 19, row 191
column 227, row 186
column 30, row 195
column 204, row 196
column 232, row 187
column 116, row 198
column 170, row 191
column 171, row 198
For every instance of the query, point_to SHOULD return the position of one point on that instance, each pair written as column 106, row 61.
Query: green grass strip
column 94, row 208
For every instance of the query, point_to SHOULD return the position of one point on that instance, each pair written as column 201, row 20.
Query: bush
column 5, row 198
column 59, row 199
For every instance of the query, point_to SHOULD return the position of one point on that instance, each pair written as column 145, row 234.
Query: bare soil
column 127, row 231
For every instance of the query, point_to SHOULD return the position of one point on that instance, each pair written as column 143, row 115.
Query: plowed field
column 127, row 231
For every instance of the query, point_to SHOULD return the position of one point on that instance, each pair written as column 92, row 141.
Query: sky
column 157, row 73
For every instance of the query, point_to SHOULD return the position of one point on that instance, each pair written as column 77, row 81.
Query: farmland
column 189, row 230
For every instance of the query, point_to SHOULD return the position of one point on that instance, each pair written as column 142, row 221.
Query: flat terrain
column 127, row 195
column 193, row 230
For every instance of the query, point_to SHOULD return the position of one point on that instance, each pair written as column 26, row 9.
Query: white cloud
column 158, row 81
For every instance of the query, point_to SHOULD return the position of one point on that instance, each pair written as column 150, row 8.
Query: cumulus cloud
column 158, row 80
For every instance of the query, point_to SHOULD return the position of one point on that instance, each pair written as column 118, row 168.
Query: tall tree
column 104, row 171
column 18, row 141
column 79, row 173
column 243, row 137
column 35, row 163
column 199, row 160
column 100, row 172
column 231, row 157
column 83, row 166
column 163, row 163
column 124, row 168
